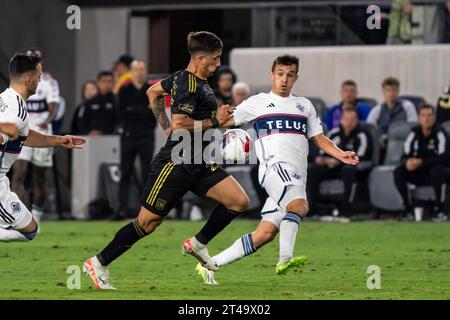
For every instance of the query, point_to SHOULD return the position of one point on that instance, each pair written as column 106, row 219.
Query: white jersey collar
column 273, row 95
column 15, row 92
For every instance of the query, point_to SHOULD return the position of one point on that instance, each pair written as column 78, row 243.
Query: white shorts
column 13, row 212
column 41, row 157
column 283, row 183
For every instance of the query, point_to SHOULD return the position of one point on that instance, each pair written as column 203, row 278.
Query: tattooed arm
column 156, row 95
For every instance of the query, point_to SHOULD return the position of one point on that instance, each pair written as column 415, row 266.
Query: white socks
column 10, row 235
column 288, row 234
column 240, row 248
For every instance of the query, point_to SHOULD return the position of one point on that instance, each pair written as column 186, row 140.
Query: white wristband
column 5, row 138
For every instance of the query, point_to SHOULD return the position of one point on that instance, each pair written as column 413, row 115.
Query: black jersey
column 190, row 96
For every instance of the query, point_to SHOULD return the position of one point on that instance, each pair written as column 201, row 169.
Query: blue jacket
column 334, row 114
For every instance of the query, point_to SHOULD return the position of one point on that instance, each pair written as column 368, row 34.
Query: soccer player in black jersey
column 193, row 104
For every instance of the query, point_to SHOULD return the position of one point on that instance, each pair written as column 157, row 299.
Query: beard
column 31, row 90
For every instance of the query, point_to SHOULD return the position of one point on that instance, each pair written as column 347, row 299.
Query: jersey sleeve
column 52, row 91
column 183, row 92
column 244, row 112
column 167, row 83
column 8, row 113
column 314, row 122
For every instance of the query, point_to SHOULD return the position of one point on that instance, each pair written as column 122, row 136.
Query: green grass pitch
column 413, row 258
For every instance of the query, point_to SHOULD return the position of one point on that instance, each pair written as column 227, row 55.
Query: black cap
column 125, row 59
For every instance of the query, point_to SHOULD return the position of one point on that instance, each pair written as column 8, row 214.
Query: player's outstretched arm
column 10, row 130
column 156, row 96
column 328, row 146
column 37, row 140
column 223, row 116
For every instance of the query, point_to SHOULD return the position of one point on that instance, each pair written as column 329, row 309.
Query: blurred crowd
column 116, row 103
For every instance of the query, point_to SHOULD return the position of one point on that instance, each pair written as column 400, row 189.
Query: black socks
column 122, row 241
column 220, row 217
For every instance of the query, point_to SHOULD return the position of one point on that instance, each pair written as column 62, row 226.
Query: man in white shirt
column 16, row 221
column 283, row 124
column 42, row 109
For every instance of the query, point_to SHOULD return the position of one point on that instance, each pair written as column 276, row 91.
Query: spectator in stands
column 443, row 106
column 88, row 91
column 350, row 136
column 122, row 73
column 240, row 92
column 426, row 160
column 400, row 29
column 100, row 113
column 222, row 83
column 137, row 136
column 392, row 110
column 349, row 95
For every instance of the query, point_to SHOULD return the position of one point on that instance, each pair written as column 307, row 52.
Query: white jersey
column 12, row 110
column 37, row 104
column 283, row 126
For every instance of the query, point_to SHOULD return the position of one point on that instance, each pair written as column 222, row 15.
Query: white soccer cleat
column 200, row 252
column 98, row 273
column 207, row 275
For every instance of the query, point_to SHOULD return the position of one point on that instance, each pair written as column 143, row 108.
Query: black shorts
column 168, row 182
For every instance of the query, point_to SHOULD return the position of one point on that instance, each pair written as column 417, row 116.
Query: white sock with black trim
column 288, row 235
column 240, row 248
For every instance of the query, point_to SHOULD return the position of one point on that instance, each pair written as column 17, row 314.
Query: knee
column 240, row 203
column 265, row 236
column 298, row 207
column 149, row 224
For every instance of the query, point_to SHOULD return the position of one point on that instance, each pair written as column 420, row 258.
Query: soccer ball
column 235, row 146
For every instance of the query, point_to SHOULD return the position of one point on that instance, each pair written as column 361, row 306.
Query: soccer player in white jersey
column 16, row 221
column 42, row 108
column 283, row 124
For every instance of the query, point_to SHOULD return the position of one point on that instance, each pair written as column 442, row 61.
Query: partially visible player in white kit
column 42, row 108
column 283, row 124
column 16, row 221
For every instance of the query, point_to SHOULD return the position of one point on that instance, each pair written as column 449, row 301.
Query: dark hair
column 203, row 41
column 126, row 60
column 83, row 87
column 285, row 60
column 21, row 63
column 348, row 83
column 390, row 81
column 102, row 74
column 427, row 106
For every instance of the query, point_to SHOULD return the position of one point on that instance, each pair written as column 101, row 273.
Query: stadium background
column 339, row 46
column 333, row 43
